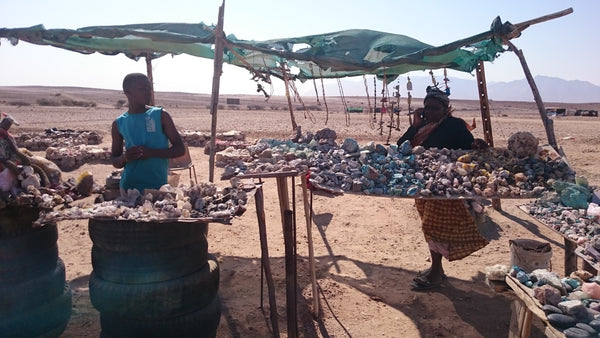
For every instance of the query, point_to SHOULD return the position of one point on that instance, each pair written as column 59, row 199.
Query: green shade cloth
column 332, row 55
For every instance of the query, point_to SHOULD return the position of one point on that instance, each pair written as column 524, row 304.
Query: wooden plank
column 514, row 328
column 264, row 249
column 290, row 274
column 288, row 173
column 588, row 265
column 311, row 254
column 570, row 257
column 214, row 97
column 284, row 198
column 526, row 296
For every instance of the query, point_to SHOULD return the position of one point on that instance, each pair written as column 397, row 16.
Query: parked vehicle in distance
column 586, row 112
column 554, row 111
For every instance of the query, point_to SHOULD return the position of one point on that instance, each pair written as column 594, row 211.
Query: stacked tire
column 35, row 299
column 154, row 279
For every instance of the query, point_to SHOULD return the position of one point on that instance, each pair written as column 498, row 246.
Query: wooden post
column 311, row 254
column 284, row 199
column 548, row 123
column 290, row 274
column 264, row 257
column 287, row 95
column 484, row 105
column 214, row 99
column 570, row 256
column 150, row 76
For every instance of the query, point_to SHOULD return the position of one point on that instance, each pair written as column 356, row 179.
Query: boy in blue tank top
column 144, row 138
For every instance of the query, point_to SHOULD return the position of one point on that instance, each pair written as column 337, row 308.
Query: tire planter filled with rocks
column 35, row 299
column 154, row 279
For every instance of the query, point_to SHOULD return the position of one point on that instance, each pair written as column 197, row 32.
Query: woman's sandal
column 421, row 283
column 426, row 272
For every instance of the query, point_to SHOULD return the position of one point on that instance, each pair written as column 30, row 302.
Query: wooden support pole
column 486, row 119
column 284, row 199
column 290, row 274
column 150, row 77
column 570, row 256
column 288, row 96
column 264, row 257
column 214, row 99
column 484, row 105
column 311, row 254
column 287, row 219
column 548, row 123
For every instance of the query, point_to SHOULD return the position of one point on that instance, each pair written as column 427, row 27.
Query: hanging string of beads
column 368, row 101
column 397, row 109
column 323, row 94
column 344, row 103
column 314, row 82
column 307, row 113
column 409, row 88
column 446, row 80
column 375, row 99
column 384, row 99
column 433, row 80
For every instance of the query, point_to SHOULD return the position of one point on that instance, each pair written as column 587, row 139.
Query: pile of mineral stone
column 71, row 158
column 571, row 209
column 521, row 170
column 21, row 186
column 205, row 202
column 54, row 137
column 571, row 304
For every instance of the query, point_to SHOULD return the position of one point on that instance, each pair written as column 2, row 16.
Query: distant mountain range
column 551, row 89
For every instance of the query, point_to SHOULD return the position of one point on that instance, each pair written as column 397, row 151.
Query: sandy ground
column 367, row 249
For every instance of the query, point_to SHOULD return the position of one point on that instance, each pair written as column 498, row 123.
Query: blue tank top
column 144, row 129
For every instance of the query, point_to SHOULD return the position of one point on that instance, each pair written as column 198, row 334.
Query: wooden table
column 571, row 249
column 523, row 310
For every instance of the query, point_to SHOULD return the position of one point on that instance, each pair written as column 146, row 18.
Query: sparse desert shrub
column 47, row 102
column 120, row 103
column 75, row 103
column 19, row 103
column 255, row 107
column 274, row 108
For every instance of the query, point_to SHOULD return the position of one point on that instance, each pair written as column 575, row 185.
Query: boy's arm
column 117, row 158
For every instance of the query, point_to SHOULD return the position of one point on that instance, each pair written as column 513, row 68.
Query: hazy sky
column 566, row 47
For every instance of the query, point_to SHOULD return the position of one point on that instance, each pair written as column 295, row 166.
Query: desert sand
column 367, row 249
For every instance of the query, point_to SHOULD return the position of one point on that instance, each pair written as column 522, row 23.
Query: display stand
column 572, row 251
column 588, row 265
column 523, row 310
column 288, row 217
column 570, row 245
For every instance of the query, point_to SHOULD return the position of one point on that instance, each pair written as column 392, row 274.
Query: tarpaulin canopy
column 330, row 55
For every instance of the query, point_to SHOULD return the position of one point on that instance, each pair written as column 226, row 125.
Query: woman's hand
column 418, row 120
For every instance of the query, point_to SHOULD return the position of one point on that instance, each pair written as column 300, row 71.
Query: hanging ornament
column 446, row 80
column 435, row 83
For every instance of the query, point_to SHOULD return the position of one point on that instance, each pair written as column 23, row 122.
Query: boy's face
column 140, row 91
